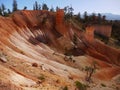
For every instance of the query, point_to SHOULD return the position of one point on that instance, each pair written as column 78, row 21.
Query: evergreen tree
column 6, row 14
column 3, row 9
column 66, row 9
column 85, row 16
column 93, row 17
column 9, row 12
column 52, row 9
column 45, row 7
column 57, row 8
column 78, row 17
column 15, row 5
column 36, row 5
column 0, row 11
column 99, row 18
column 39, row 7
column 33, row 7
column 70, row 11
column 24, row 8
column 103, row 17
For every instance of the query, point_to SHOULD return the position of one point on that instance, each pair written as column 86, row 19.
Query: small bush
column 34, row 64
column 42, row 77
column 90, row 70
column 65, row 88
column 80, row 86
column 103, row 85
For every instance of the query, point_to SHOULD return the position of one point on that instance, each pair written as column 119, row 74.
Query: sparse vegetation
column 80, row 86
column 116, row 31
column 103, row 85
column 36, row 6
column 68, row 12
column 65, row 88
column 90, row 70
column 45, row 7
column 15, row 5
column 38, row 31
column 41, row 77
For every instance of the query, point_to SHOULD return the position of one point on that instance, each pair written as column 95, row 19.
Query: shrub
column 65, row 88
column 80, row 86
column 42, row 77
column 90, row 70
column 103, row 85
column 34, row 64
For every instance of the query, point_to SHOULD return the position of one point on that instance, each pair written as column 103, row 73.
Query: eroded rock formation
column 104, row 30
column 105, row 52
column 42, row 37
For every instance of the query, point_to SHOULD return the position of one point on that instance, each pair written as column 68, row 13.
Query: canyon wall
column 24, row 42
column 111, row 53
column 104, row 30
column 32, row 28
column 98, row 49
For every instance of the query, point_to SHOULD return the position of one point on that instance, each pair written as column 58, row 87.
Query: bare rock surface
column 32, row 54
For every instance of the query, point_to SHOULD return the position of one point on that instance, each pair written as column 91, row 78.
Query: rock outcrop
column 100, row 50
column 42, row 37
column 104, row 30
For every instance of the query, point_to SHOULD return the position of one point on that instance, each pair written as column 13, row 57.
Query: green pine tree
column 0, row 11
column 15, row 5
column 45, row 7
column 3, row 9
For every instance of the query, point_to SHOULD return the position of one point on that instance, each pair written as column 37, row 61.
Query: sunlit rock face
column 59, row 16
column 103, row 30
column 43, row 38
column 102, row 49
column 61, row 27
column 89, row 33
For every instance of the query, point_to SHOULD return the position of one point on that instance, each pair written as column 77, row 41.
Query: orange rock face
column 30, row 18
column 104, row 30
column 28, row 40
column 31, row 23
column 59, row 16
column 112, row 54
column 89, row 33
column 60, row 26
column 100, row 50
